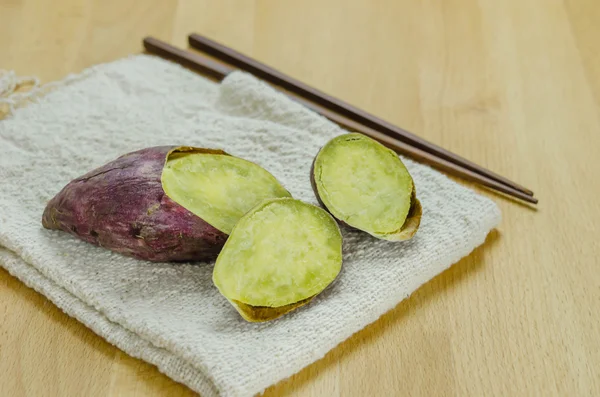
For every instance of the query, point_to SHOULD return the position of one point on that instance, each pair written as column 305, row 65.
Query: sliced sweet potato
column 365, row 185
column 162, row 203
column 279, row 256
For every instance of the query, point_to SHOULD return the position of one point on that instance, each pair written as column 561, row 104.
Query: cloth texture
column 171, row 315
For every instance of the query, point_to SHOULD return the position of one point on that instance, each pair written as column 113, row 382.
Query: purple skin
column 121, row 206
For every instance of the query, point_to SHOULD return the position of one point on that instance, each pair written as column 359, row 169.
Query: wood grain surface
column 513, row 85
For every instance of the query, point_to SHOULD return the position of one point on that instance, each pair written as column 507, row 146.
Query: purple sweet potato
column 123, row 206
column 366, row 186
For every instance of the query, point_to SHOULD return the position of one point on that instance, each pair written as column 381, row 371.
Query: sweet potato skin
column 121, row 206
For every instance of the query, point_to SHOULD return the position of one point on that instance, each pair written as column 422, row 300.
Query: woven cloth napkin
column 171, row 315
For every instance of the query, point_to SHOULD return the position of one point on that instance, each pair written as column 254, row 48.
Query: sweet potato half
column 278, row 257
column 365, row 185
column 162, row 203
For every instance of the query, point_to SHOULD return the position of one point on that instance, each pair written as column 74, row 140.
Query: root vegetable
column 162, row 203
column 365, row 185
column 278, row 257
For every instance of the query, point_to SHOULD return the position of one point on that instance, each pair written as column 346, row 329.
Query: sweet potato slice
column 279, row 256
column 365, row 185
column 219, row 189
column 151, row 204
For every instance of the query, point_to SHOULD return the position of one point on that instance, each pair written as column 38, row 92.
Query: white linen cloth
column 171, row 315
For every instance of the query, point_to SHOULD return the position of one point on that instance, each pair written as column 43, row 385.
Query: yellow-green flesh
column 280, row 253
column 218, row 188
column 363, row 183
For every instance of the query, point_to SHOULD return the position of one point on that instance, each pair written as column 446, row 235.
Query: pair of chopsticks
column 346, row 115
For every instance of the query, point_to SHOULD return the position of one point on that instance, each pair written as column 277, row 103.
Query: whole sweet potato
column 122, row 206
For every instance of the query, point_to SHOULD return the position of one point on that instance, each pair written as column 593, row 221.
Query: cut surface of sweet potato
column 217, row 187
column 279, row 255
column 365, row 185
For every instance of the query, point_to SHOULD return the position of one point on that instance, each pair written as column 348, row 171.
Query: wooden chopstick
column 218, row 71
column 273, row 76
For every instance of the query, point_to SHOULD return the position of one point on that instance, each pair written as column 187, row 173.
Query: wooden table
column 513, row 85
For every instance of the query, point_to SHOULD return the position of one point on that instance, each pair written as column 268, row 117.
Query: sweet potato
column 162, row 203
column 279, row 256
column 366, row 186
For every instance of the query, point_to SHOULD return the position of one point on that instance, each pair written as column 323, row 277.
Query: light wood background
column 512, row 84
